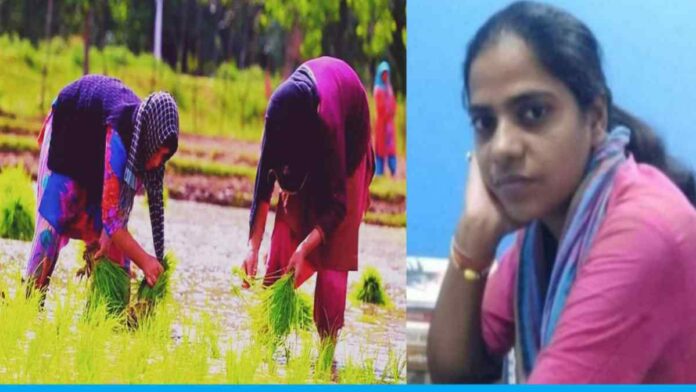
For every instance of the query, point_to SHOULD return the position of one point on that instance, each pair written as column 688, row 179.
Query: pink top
column 631, row 314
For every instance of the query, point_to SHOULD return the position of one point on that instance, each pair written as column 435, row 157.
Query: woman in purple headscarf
column 316, row 145
column 99, row 145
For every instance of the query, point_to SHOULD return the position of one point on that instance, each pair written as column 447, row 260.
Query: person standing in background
column 385, row 108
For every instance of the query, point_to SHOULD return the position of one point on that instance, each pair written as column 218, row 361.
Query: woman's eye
column 533, row 114
column 483, row 125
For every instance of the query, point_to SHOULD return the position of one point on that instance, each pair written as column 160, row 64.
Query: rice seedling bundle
column 110, row 286
column 305, row 309
column 17, row 204
column 325, row 358
column 282, row 309
column 148, row 297
column 157, row 292
column 370, row 288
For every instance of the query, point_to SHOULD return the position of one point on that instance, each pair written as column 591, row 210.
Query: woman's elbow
column 444, row 372
column 448, row 365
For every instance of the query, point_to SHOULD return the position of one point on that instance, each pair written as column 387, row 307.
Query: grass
column 59, row 346
column 228, row 102
column 382, row 188
column 388, row 189
column 30, row 126
column 17, row 204
column 211, row 168
column 16, row 143
column 384, row 219
column 224, row 103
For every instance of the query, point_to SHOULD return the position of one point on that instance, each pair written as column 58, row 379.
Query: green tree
column 375, row 25
column 305, row 21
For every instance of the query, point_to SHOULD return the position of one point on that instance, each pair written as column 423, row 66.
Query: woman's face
column 532, row 140
column 385, row 77
column 157, row 158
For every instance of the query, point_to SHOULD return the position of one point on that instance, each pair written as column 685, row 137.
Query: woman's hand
column 104, row 245
column 250, row 265
column 152, row 270
column 150, row 266
column 298, row 261
column 300, row 265
column 483, row 222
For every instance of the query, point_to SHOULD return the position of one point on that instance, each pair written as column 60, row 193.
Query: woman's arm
column 258, row 227
column 456, row 348
column 130, row 247
column 113, row 218
column 263, row 190
column 298, row 260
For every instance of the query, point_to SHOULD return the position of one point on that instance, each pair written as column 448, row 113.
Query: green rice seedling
column 187, row 362
column 95, row 333
column 17, row 204
column 148, row 297
column 18, row 314
column 394, row 368
column 242, row 277
column 242, row 367
column 208, row 330
column 110, row 286
column 140, row 352
column 98, row 349
column 370, row 288
column 131, row 355
column 281, row 310
column 161, row 288
column 325, row 359
column 298, row 368
column 36, row 346
column 305, row 311
column 357, row 373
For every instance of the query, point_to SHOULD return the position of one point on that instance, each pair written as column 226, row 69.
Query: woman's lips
column 512, row 187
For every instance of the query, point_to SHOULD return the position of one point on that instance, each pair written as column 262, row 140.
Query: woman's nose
column 507, row 143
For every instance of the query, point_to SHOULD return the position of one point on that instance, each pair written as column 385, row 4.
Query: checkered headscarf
column 156, row 125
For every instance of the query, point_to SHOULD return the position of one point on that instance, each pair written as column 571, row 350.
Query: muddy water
column 209, row 240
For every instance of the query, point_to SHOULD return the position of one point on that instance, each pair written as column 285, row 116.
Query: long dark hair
column 569, row 51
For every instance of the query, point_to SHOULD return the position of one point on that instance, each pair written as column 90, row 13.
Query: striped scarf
column 156, row 122
column 536, row 318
